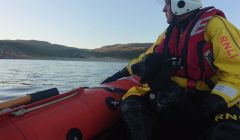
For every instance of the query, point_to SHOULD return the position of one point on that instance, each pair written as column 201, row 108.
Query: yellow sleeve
column 140, row 57
column 226, row 49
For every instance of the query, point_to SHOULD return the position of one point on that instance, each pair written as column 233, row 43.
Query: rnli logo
column 229, row 50
column 227, row 116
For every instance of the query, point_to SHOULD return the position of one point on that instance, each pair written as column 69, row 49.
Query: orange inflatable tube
column 81, row 114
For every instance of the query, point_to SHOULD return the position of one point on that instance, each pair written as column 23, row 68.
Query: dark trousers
column 224, row 126
column 180, row 120
column 139, row 119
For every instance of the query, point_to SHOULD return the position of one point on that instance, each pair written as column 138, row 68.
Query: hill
column 33, row 49
column 122, row 51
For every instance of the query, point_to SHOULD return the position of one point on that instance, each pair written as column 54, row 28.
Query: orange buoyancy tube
column 79, row 114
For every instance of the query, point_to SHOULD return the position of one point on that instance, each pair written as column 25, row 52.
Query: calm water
column 20, row 77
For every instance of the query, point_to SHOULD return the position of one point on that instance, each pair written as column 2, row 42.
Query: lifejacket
column 195, row 55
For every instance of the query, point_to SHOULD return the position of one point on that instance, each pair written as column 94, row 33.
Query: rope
column 24, row 111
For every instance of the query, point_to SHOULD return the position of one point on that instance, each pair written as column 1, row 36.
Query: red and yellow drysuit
column 212, row 40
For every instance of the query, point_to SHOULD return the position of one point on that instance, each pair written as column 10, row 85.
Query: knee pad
column 225, row 131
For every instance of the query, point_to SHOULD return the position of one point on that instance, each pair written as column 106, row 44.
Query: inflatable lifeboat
column 81, row 114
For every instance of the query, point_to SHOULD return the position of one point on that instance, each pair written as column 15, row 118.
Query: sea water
column 21, row 77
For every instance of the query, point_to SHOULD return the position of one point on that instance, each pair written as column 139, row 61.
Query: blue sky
column 91, row 23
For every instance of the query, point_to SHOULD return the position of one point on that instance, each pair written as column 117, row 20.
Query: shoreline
column 90, row 59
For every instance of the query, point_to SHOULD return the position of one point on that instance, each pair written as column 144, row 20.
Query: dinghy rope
column 24, row 111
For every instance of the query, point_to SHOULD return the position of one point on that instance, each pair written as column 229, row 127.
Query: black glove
column 161, row 100
column 213, row 105
column 120, row 74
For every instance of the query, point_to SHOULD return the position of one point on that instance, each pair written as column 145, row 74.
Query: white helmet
column 180, row 7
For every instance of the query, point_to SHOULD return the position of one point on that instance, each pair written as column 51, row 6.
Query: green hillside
column 33, row 49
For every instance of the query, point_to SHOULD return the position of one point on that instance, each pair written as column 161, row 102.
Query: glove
column 161, row 100
column 122, row 73
column 213, row 105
